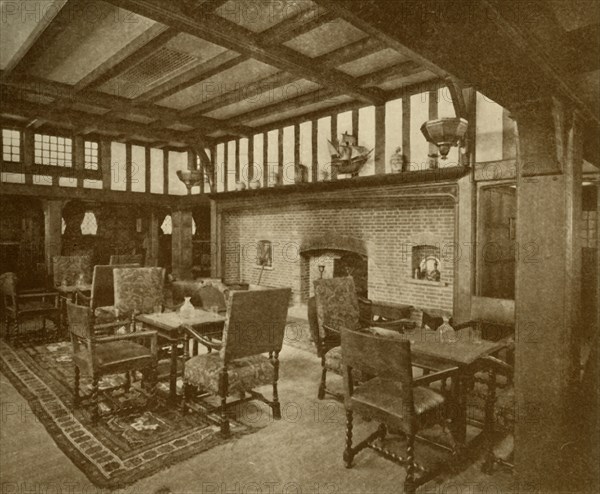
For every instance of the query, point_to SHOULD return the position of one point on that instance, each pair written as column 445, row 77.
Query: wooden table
column 169, row 326
column 429, row 351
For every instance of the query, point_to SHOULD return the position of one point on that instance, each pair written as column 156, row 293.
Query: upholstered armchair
column 103, row 355
column 127, row 259
column 22, row 306
column 138, row 291
column 69, row 268
column 254, row 326
column 392, row 397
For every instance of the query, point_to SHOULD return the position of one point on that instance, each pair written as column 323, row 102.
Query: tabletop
column 172, row 321
column 428, row 344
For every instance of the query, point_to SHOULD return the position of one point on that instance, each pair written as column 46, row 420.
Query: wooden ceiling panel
column 97, row 31
column 300, row 111
column 242, row 74
column 258, row 100
column 96, row 110
column 326, row 38
column 260, row 15
column 371, row 63
column 199, row 48
column 18, row 29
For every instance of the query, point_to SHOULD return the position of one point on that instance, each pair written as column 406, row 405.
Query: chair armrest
column 329, row 331
column 214, row 345
column 496, row 364
column 38, row 295
column 435, row 376
column 465, row 324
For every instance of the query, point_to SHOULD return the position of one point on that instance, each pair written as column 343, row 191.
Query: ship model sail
column 348, row 157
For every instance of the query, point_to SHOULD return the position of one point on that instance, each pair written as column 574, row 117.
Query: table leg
column 173, row 373
column 459, row 426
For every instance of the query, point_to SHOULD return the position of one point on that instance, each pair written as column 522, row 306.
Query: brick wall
column 388, row 230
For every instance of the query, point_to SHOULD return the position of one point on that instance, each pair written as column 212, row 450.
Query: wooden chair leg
column 224, row 390
column 127, row 385
column 409, row 483
column 184, row 397
column 348, row 454
column 275, row 405
column 489, row 423
column 76, row 388
column 323, row 384
column 94, row 399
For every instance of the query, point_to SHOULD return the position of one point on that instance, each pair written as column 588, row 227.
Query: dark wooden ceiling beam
column 120, row 104
column 218, row 30
column 402, row 69
column 284, row 31
column 354, row 51
column 144, row 45
column 80, row 120
column 54, row 20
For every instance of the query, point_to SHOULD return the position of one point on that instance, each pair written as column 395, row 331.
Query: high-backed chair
column 102, row 297
column 392, row 397
column 495, row 317
column 138, row 290
column 384, row 315
column 69, row 268
column 21, row 306
column 202, row 294
column 254, row 325
column 127, row 259
column 98, row 356
column 336, row 307
column 325, row 341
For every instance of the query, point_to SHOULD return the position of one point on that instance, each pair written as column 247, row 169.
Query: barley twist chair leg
column 348, row 454
column 224, row 390
column 76, row 388
column 127, row 385
column 409, row 483
column 276, row 406
column 94, row 399
column 323, row 384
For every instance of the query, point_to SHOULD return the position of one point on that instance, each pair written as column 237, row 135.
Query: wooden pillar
column 153, row 244
column 464, row 245
column 128, row 167
column 181, row 243
column 380, row 139
column 265, row 159
column 165, row 172
column 406, row 130
column 334, row 140
column 52, row 230
column 250, row 158
column 105, row 152
column 314, row 132
column 215, row 241
column 280, row 156
column 548, row 279
column 28, row 155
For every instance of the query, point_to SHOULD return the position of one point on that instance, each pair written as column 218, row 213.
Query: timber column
column 548, row 294
column 52, row 230
column 181, row 246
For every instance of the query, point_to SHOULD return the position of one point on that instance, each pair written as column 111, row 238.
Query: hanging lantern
column 445, row 133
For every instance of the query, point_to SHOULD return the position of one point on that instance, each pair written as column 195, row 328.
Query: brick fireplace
column 380, row 235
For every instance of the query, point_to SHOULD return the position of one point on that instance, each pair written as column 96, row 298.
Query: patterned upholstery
column 70, row 267
column 244, row 374
column 103, row 286
column 337, row 304
column 127, row 259
column 138, row 290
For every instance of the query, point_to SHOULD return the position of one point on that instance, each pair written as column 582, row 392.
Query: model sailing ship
column 348, row 157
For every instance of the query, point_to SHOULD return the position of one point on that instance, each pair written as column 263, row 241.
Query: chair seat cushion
column 244, row 374
column 386, row 396
column 105, row 315
column 116, row 353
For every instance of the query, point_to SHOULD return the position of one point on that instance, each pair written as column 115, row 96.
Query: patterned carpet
column 121, row 448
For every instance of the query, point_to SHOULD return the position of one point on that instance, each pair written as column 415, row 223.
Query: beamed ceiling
column 190, row 72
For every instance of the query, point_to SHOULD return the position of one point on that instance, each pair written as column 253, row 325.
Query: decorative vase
column 255, row 183
column 186, row 311
column 397, row 161
column 240, row 185
column 447, row 333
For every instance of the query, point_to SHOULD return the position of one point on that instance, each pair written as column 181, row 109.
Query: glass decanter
column 186, row 311
column 447, row 332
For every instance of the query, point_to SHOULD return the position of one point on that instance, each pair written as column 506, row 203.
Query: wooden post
column 225, row 166
column 215, row 241
column 182, row 245
column 548, row 279
column 334, row 140
column 52, row 230
column 250, row 158
column 406, row 129
column 432, row 115
column 380, row 139
column 280, row 156
column 314, row 130
column 265, row 159
column 128, row 167
column 148, row 170
column 105, row 158
column 165, row 172
column 28, row 155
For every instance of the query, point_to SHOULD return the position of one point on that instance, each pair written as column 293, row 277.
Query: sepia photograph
column 299, row 246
